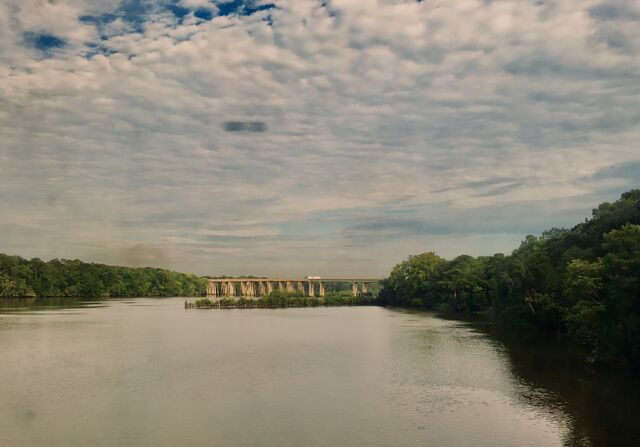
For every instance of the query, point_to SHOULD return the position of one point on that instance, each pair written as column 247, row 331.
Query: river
column 147, row 372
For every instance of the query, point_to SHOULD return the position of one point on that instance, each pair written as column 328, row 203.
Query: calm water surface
column 146, row 372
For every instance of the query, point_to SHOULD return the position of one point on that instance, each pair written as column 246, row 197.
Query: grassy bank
column 283, row 299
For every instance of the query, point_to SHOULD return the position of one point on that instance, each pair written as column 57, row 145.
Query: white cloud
column 373, row 108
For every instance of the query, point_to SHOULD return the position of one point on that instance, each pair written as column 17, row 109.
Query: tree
column 412, row 282
column 622, row 269
column 583, row 289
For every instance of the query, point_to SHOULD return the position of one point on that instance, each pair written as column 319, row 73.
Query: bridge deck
column 297, row 279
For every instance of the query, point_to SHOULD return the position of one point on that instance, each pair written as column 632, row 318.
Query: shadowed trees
column 583, row 283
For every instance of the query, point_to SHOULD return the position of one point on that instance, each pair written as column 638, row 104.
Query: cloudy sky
column 390, row 127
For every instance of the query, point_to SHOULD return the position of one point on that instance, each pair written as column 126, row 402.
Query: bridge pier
column 311, row 289
column 255, row 287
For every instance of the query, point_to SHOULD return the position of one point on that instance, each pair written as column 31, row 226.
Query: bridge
column 257, row 287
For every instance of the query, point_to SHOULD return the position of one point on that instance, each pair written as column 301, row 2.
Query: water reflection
column 26, row 305
column 146, row 372
column 601, row 405
column 466, row 376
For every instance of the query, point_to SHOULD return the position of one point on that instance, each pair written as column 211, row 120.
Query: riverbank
column 581, row 283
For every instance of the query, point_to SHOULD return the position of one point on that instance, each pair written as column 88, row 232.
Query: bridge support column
column 312, row 286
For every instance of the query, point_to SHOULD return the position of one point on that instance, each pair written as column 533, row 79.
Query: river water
column 146, row 372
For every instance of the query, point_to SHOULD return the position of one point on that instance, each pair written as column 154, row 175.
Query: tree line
column 72, row 278
column 583, row 282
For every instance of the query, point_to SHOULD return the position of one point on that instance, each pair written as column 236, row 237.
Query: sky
column 309, row 137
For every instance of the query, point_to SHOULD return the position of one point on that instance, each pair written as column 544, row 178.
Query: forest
column 582, row 283
column 60, row 278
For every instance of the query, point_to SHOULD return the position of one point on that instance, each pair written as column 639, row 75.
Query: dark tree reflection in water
column 602, row 404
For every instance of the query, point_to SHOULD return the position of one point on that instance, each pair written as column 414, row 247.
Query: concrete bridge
column 256, row 287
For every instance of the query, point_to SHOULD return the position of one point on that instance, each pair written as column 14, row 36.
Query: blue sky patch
column 241, row 7
column 204, row 14
column 135, row 12
column 179, row 11
column 131, row 11
column 44, row 42
column 94, row 48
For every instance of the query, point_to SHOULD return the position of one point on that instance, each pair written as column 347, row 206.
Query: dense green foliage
column 28, row 278
column 279, row 298
column 583, row 282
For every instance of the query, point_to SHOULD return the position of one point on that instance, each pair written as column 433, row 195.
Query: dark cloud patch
column 99, row 19
column 537, row 65
column 269, row 19
column 405, row 226
column 553, row 98
column 503, row 189
column 617, row 41
column 244, row 126
column 613, row 10
column 520, row 218
column 96, row 48
column 222, row 8
column 627, row 171
column 330, row 10
column 504, row 182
